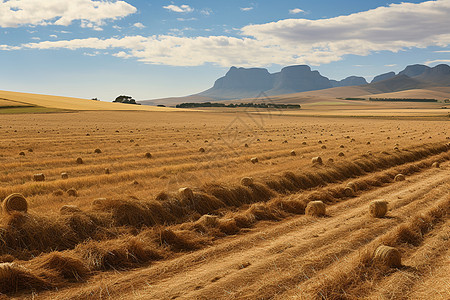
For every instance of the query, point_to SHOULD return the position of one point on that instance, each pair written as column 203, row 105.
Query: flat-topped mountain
column 245, row 83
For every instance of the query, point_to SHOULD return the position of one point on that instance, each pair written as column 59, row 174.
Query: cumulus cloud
column 179, row 9
column 139, row 25
column 93, row 13
column 246, row 8
column 296, row 11
column 291, row 41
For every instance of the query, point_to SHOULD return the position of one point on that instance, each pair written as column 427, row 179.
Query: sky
column 152, row 49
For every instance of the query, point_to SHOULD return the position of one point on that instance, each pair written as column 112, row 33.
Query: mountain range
column 241, row 83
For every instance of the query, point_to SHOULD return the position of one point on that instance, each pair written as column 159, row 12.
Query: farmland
column 127, row 231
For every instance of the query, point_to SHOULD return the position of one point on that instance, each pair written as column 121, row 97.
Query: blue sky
column 153, row 49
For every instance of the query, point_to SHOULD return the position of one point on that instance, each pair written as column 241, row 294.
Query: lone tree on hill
column 125, row 99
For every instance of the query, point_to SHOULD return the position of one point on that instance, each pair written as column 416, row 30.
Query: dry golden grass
column 191, row 208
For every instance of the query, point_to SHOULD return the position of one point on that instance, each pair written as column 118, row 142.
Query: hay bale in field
column 22, row 153
column 341, row 146
column 107, row 171
column 315, row 208
column 396, row 148
column 72, row 192
column 79, row 161
column 64, row 175
column 15, row 202
column 378, row 208
column 368, row 143
column 254, row 160
column 67, row 266
column 69, row 209
column 186, row 193
column 293, row 153
column 330, row 160
column 353, row 186
column 247, row 181
column 208, row 220
column 349, row 192
column 99, row 201
column 135, row 182
column 388, row 256
column 436, row 164
column 30, row 150
column 399, row 177
column 320, row 142
column 303, row 143
column 201, row 150
column 148, row 155
column 341, row 154
column 246, row 145
column 39, row 177
column 324, row 147
column 98, row 151
column 316, row 160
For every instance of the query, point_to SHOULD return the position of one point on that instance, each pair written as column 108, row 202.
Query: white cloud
column 437, row 61
column 14, row 13
column 442, row 51
column 206, row 11
column 296, row 11
column 53, row 36
column 291, row 41
column 246, row 8
column 139, row 25
column 188, row 19
column 179, row 9
column 391, row 65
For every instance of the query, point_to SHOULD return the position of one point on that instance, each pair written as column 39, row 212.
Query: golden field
column 117, row 226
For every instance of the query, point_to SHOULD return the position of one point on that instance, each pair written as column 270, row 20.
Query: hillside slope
column 68, row 103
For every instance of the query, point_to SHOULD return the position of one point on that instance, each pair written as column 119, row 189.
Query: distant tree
column 95, row 99
column 123, row 99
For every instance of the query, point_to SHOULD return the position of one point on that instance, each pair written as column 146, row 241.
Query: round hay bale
column 341, row 154
column 349, row 192
column 201, row 150
column 315, row 208
column 395, row 148
column 79, row 161
column 353, row 186
column 135, row 182
column 330, row 160
column 254, row 160
column 320, row 142
column 98, row 201
column 368, row 143
column 436, row 164
column 186, row 193
column 30, row 150
column 293, row 153
column 98, row 151
column 22, row 153
column 15, row 202
column 107, row 171
column 378, row 208
column 64, row 175
column 399, row 177
column 148, row 155
column 341, row 146
column 247, row 181
column 69, row 209
column 246, row 145
column 323, row 147
column 72, row 192
column 208, row 220
column 316, row 160
column 39, row 177
column 388, row 256
column 303, row 143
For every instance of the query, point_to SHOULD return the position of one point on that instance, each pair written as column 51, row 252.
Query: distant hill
column 244, row 83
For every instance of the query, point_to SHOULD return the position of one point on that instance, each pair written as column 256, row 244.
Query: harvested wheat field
column 124, row 205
